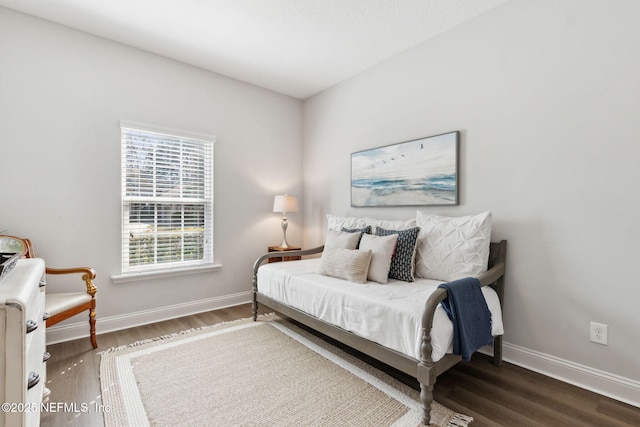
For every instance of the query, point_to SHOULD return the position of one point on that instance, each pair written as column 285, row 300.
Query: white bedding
column 389, row 314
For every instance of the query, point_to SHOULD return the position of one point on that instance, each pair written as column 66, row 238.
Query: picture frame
column 419, row 172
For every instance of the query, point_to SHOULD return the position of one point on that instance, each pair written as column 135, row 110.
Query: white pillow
column 341, row 239
column 451, row 248
column 382, row 248
column 338, row 222
column 347, row 264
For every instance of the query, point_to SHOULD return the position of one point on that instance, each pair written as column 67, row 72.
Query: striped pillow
column 347, row 264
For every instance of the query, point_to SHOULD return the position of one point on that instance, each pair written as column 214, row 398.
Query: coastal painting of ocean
column 419, row 172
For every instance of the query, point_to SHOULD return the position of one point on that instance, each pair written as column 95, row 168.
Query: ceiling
column 296, row 47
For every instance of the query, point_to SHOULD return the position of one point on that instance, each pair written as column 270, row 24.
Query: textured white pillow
column 347, row 264
column 382, row 248
column 341, row 239
column 338, row 222
column 451, row 248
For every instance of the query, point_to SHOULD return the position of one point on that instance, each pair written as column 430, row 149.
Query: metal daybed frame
column 424, row 370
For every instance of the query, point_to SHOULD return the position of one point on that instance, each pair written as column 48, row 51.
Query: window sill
column 136, row 277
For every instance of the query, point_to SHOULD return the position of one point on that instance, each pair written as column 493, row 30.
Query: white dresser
column 22, row 336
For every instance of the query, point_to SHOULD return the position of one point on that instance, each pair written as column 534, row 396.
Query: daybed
column 398, row 322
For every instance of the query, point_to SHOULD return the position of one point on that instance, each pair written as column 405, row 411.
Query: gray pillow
column 365, row 230
column 342, row 239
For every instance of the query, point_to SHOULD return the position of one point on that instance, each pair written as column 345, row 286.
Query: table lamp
column 285, row 203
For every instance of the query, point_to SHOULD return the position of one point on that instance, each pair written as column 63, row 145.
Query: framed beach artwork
column 419, row 172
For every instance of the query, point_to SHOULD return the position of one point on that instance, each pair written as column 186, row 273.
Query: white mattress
column 389, row 314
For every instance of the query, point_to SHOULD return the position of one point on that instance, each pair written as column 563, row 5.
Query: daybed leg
column 426, row 398
column 497, row 350
column 254, row 303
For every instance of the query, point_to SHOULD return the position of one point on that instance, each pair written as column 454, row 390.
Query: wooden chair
column 61, row 306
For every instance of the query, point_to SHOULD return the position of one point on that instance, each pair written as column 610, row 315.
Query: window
column 167, row 199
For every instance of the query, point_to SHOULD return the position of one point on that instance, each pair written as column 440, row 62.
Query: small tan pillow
column 347, row 264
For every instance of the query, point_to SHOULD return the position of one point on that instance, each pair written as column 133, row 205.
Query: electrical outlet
column 599, row 333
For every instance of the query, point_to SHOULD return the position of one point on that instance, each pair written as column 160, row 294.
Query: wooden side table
column 284, row 258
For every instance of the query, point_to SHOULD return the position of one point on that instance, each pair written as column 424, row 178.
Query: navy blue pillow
column 403, row 259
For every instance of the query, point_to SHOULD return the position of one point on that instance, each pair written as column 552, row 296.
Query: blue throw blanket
column 466, row 307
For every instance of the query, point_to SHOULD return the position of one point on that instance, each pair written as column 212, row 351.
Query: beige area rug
column 245, row 373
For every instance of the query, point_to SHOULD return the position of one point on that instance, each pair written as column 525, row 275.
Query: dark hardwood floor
column 493, row 396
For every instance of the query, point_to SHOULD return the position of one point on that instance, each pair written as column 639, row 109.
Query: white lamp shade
column 285, row 203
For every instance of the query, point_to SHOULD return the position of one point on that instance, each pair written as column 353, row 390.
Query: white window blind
column 167, row 199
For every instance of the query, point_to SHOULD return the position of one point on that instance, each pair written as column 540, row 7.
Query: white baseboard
column 72, row 331
column 604, row 383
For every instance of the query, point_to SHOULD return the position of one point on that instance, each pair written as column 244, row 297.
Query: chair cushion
column 60, row 302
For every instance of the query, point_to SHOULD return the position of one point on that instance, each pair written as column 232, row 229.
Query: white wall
column 62, row 96
column 546, row 95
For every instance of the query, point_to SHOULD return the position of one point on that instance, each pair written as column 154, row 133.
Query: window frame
column 156, row 269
